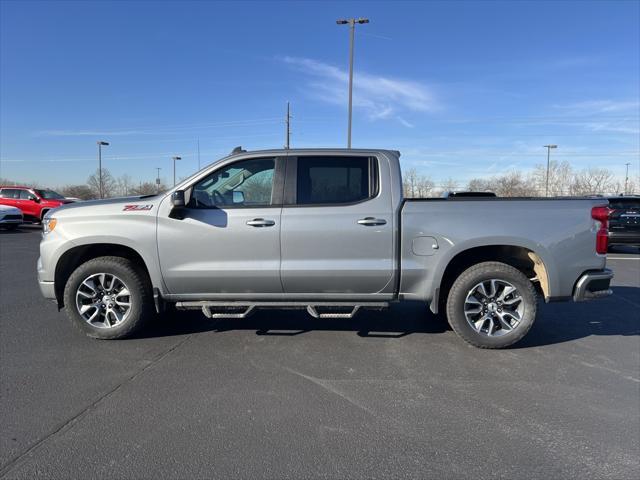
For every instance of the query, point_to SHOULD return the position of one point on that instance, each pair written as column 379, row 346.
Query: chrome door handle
column 261, row 222
column 372, row 222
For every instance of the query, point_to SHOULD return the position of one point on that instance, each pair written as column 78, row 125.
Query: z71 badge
column 129, row 208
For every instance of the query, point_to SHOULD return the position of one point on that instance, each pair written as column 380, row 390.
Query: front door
column 337, row 227
column 227, row 239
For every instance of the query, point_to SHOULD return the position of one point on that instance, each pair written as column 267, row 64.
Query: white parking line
column 623, row 258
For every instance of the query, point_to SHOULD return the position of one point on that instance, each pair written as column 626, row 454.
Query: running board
column 240, row 309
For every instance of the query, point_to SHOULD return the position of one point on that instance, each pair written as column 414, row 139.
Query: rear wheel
column 491, row 305
column 108, row 298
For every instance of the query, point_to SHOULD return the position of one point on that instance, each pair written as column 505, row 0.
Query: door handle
column 372, row 222
column 261, row 222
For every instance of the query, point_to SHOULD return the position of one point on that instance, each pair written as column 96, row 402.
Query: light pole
column 626, row 178
column 100, row 145
column 174, row 169
column 548, row 147
column 158, row 180
column 352, row 27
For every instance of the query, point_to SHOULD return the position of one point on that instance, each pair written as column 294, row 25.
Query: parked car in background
column 624, row 221
column 34, row 203
column 10, row 217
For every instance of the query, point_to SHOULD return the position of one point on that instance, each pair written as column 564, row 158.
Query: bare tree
column 83, row 192
column 560, row 178
column 124, row 185
column 409, row 183
column 147, row 188
column 108, row 183
column 592, row 181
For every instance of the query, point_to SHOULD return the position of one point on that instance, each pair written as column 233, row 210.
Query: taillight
column 601, row 214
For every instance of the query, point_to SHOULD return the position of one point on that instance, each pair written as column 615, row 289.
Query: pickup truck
column 326, row 230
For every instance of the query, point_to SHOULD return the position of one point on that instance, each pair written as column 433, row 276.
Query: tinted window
column 326, row 180
column 248, row 183
column 49, row 195
column 26, row 195
column 10, row 193
column 624, row 203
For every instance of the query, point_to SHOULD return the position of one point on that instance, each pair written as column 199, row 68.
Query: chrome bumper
column 594, row 284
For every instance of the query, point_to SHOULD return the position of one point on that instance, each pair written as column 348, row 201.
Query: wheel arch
column 76, row 256
column 522, row 258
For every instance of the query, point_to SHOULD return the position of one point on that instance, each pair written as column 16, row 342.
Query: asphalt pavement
column 281, row 395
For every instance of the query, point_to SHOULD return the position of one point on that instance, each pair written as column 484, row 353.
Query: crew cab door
column 226, row 241
column 337, row 227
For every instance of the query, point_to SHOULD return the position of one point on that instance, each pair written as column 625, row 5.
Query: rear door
column 337, row 227
column 10, row 196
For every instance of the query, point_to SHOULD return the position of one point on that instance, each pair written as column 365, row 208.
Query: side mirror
column 177, row 199
column 34, row 198
column 238, row 197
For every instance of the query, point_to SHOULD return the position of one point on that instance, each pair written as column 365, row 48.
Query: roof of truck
column 292, row 151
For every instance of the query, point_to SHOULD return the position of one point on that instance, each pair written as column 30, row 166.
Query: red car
column 33, row 202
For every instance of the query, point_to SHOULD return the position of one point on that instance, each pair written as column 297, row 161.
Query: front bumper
column 47, row 288
column 593, row 284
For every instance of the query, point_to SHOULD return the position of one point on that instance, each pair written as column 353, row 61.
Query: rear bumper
column 624, row 238
column 593, row 284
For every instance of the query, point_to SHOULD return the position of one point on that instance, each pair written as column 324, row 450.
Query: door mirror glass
column 238, row 196
column 177, row 198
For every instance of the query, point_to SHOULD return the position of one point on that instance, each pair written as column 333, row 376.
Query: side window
column 10, row 193
column 247, row 183
column 339, row 180
column 26, row 195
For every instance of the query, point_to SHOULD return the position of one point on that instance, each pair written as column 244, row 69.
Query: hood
column 10, row 209
column 109, row 206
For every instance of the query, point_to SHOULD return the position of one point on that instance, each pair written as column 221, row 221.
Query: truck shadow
column 556, row 323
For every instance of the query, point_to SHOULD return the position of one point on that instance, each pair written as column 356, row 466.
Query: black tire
column 466, row 282
column 137, row 282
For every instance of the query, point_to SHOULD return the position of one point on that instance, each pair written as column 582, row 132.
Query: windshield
column 49, row 195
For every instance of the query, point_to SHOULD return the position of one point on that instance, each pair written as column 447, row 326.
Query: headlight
column 48, row 224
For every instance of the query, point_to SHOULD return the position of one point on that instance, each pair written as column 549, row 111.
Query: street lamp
column 548, row 147
column 174, row 169
column 100, row 145
column 352, row 27
column 626, row 178
column 158, row 180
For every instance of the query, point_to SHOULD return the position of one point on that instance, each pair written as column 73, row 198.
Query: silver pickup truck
column 326, row 230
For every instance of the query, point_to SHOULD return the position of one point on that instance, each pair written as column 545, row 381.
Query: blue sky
column 463, row 89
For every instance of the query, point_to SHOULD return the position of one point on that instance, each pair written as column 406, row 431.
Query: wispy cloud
column 158, row 130
column 616, row 116
column 378, row 96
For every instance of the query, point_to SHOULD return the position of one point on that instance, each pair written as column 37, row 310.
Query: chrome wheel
column 103, row 300
column 493, row 307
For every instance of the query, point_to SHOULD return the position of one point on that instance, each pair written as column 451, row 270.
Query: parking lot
column 281, row 395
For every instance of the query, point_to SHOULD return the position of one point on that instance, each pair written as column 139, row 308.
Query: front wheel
column 108, row 298
column 491, row 305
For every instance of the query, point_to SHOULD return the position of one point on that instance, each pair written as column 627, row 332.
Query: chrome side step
column 242, row 309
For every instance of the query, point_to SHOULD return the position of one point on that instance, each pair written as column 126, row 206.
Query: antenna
column 288, row 122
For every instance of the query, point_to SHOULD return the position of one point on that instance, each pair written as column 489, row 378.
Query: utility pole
column 100, row 145
column 548, row 147
column 352, row 27
column 158, row 180
column 288, row 122
column 174, row 169
column 626, row 178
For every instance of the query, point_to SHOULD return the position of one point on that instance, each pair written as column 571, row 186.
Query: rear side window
column 26, row 195
column 335, row 180
column 10, row 193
